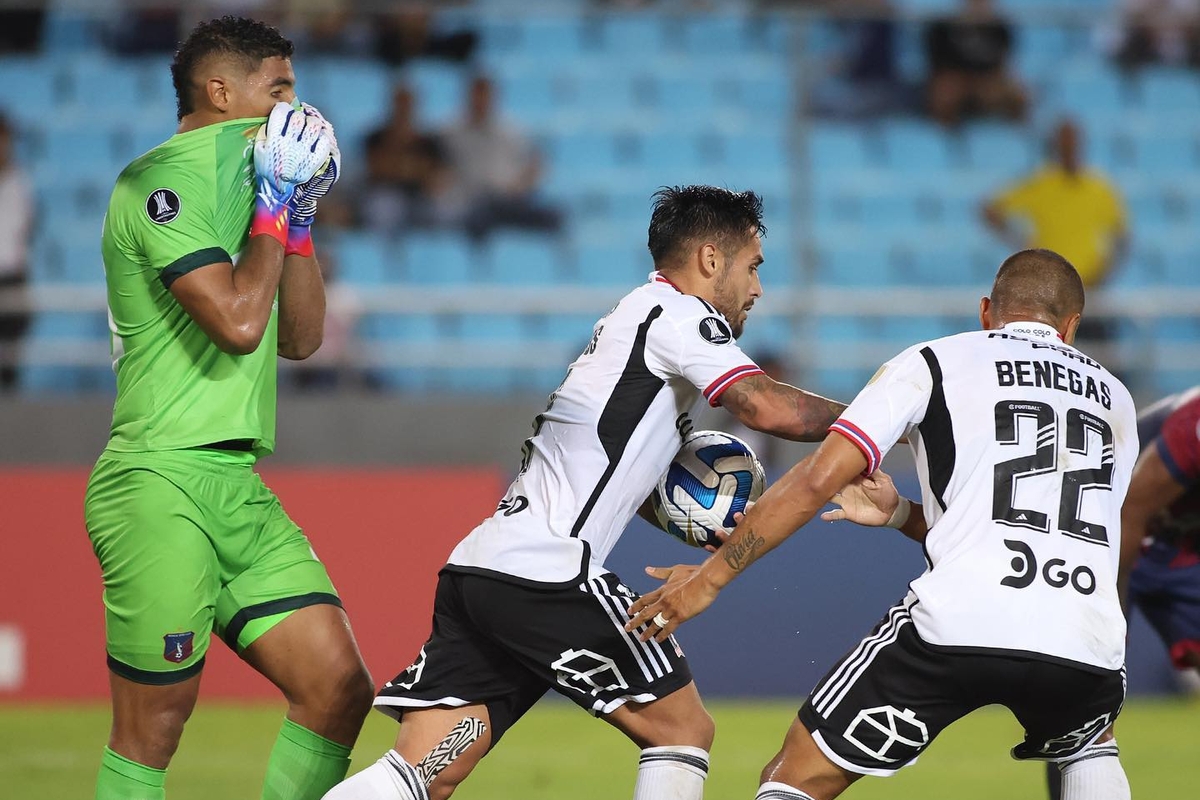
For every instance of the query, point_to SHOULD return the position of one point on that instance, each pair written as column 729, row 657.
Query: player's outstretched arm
column 1152, row 488
column 780, row 409
column 873, row 501
column 790, row 502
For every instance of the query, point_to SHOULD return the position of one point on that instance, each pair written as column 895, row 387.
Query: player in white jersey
column 525, row 603
column 1024, row 448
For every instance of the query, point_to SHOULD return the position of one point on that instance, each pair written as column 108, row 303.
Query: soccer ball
column 713, row 476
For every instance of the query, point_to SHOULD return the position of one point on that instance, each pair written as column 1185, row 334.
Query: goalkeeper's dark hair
column 683, row 215
column 245, row 39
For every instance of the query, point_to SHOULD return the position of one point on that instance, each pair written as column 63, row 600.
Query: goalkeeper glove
column 290, row 148
column 303, row 203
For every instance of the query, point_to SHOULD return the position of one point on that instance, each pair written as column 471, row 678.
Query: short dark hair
column 247, row 39
column 1038, row 281
column 683, row 214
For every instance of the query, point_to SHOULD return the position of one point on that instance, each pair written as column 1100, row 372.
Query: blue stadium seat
column 837, row 147
column 584, row 153
column 66, row 31
column 1181, row 266
column 846, row 257
column 632, row 34
column 32, row 88
column 714, row 35
column 612, row 263
column 997, row 147
column 366, row 258
column 81, row 259
column 1164, row 154
column 913, row 146
column 571, row 329
column 495, row 328
column 108, row 89
column 440, row 258
column 524, row 258
column 550, row 37
column 1170, row 90
column 934, row 259
column 441, row 92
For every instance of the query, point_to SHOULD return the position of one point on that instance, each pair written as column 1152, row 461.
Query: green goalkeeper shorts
column 190, row 543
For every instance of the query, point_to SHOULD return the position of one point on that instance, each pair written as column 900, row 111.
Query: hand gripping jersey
column 1024, row 447
column 185, row 204
column 1172, row 426
column 606, row 436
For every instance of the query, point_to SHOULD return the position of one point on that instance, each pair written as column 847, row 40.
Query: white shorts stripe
column 851, row 678
column 650, row 667
column 858, row 659
column 850, row 661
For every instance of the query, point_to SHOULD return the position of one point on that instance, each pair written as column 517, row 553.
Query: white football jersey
column 607, row 435
column 1024, row 447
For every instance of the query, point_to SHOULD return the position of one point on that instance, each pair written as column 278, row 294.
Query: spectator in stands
column 1073, row 210
column 864, row 79
column 21, row 28
column 410, row 32
column 496, row 168
column 409, row 182
column 968, row 56
column 16, row 223
column 1158, row 32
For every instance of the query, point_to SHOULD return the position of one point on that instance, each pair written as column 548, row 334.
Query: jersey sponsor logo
column 588, row 673
column 163, row 206
column 887, row 733
column 1054, row 572
column 177, row 647
column 715, row 331
column 514, row 506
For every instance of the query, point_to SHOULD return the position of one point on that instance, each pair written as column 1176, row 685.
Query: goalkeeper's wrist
column 299, row 241
column 900, row 515
column 270, row 218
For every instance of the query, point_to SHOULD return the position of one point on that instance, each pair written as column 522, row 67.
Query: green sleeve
column 171, row 220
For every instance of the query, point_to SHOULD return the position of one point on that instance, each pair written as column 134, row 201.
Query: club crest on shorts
column 715, row 331
column 162, row 206
column 177, row 647
column 887, row 733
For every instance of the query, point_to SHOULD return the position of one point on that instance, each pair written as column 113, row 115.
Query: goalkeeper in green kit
column 211, row 275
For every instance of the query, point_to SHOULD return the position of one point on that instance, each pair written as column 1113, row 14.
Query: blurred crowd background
column 499, row 159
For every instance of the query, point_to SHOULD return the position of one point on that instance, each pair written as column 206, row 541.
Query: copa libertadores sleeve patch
column 715, row 330
column 163, row 206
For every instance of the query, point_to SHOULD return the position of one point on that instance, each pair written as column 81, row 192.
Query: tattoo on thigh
column 460, row 737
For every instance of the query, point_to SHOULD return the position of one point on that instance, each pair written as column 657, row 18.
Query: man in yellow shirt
column 1070, row 209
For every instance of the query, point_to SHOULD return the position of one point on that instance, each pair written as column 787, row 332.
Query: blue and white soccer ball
column 713, row 476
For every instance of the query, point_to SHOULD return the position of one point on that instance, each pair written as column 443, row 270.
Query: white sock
column 677, row 773
column 1095, row 774
column 389, row 778
column 772, row 790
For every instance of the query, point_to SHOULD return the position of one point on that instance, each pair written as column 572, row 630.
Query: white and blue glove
column 303, row 203
column 289, row 149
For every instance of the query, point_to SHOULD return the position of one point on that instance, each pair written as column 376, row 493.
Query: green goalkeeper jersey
column 185, row 204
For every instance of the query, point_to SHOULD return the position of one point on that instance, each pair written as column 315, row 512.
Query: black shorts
column 889, row 697
column 504, row 645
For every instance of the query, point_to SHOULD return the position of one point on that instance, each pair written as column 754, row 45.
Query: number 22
column 1045, row 459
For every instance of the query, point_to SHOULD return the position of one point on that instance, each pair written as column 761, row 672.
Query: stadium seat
column 523, row 259
column 629, row 34
column 913, row 146
column 845, row 257
column 554, row 37
column 439, row 258
column 1181, row 266
column 714, row 35
column 837, row 147
column 366, row 259
column 612, row 263
column 440, row 90
column 1168, row 90
column 997, row 147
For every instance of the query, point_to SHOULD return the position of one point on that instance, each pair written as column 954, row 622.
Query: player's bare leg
column 436, row 749
column 675, row 734
column 312, row 657
column 800, row 771
column 148, row 720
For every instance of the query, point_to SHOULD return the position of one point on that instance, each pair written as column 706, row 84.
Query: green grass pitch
column 559, row 751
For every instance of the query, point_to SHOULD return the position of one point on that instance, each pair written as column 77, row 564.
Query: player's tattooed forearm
column 817, row 413
column 743, row 552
